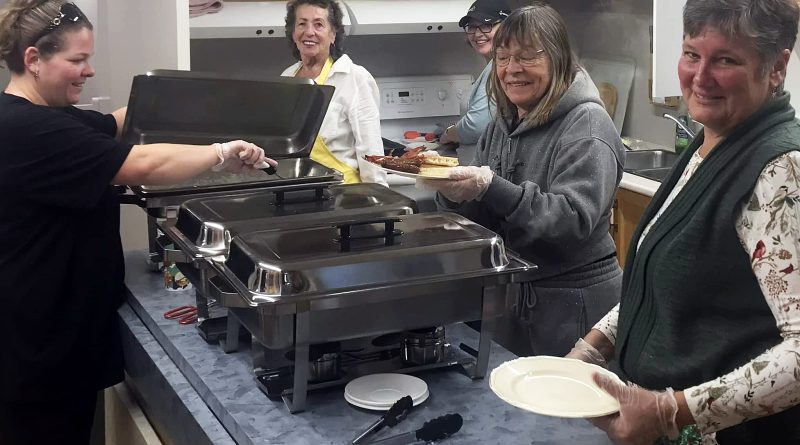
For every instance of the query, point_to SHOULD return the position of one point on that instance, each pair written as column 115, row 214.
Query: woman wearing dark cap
column 61, row 264
column 544, row 178
column 351, row 128
column 708, row 325
column 480, row 23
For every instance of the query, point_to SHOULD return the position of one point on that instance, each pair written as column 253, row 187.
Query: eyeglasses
column 503, row 58
column 68, row 13
column 485, row 28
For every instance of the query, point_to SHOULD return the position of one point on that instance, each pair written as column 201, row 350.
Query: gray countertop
column 225, row 385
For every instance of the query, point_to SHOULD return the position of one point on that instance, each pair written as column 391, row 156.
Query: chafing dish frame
column 300, row 321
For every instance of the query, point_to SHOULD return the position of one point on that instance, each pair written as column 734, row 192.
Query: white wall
column 622, row 28
column 132, row 38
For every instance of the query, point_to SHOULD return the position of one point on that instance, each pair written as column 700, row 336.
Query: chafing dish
column 281, row 115
column 345, row 280
column 205, row 226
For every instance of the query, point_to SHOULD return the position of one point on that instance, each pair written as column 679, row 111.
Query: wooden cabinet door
column 627, row 213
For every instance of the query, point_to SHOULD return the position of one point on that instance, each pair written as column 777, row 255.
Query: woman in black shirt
column 61, row 265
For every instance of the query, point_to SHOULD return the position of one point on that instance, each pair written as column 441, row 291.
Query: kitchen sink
column 649, row 159
column 656, row 174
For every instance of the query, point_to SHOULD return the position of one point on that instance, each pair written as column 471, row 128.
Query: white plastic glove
column 585, row 352
column 463, row 183
column 643, row 417
column 236, row 156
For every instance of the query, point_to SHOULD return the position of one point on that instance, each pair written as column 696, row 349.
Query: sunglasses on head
column 68, row 13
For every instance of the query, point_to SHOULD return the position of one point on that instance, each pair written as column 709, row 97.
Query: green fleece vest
column 691, row 308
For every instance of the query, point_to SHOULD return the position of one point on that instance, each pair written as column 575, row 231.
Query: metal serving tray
column 205, row 226
column 290, row 172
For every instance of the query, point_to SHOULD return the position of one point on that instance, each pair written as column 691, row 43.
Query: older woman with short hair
column 709, row 321
column 351, row 128
column 544, row 178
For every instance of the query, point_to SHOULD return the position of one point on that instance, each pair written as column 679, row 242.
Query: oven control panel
column 423, row 96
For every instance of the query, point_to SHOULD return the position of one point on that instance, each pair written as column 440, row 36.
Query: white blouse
column 769, row 230
column 352, row 125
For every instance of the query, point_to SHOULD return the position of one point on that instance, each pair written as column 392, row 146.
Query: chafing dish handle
column 529, row 271
column 319, row 194
column 389, row 232
column 126, row 197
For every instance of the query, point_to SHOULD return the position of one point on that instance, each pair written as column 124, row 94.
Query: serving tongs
column 434, row 430
column 396, row 413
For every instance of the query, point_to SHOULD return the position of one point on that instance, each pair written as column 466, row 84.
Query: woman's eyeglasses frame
column 67, row 13
column 472, row 28
column 522, row 61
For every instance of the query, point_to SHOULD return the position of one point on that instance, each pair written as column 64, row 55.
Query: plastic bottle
column 682, row 138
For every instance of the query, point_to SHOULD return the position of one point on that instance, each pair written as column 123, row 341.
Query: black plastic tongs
column 396, row 413
column 434, row 430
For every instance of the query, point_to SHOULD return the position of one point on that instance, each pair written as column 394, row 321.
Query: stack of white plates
column 381, row 391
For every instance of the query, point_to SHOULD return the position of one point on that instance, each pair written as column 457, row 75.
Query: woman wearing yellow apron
column 351, row 128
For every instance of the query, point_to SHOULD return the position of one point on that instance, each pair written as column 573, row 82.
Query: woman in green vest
column 708, row 326
column 351, row 128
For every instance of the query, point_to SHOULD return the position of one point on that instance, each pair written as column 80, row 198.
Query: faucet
column 680, row 124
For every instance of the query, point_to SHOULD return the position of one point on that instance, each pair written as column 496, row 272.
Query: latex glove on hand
column 463, row 183
column 585, row 352
column 643, row 417
column 237, row 156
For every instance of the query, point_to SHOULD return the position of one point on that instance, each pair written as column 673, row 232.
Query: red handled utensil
column 184, row 314
column 411, row 134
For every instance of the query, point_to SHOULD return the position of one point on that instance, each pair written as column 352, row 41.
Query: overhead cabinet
column 246, row 19
column 361, row 17
column 667, row 46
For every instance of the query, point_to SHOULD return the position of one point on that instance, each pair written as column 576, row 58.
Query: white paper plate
column 553, row 386
column 384, row 406
column 380, row 391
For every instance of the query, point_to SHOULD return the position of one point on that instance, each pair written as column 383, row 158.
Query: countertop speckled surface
column 225, row 383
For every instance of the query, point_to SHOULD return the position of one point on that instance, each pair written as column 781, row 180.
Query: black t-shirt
column 61, row 264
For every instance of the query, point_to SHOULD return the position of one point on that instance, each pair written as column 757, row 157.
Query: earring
column 36, row 75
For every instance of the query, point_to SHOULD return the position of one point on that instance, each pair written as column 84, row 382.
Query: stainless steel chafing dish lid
column 285, row 265
column 205, row 225
column 282, row 115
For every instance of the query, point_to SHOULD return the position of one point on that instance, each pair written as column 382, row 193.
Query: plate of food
column 416, row 163
column 553, row 386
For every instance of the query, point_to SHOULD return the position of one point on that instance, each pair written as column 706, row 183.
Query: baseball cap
column 485, row 11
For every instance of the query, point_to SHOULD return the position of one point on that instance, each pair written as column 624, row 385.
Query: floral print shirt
column 769, row 230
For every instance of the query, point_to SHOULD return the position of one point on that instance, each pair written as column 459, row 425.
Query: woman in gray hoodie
column 544, row 178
